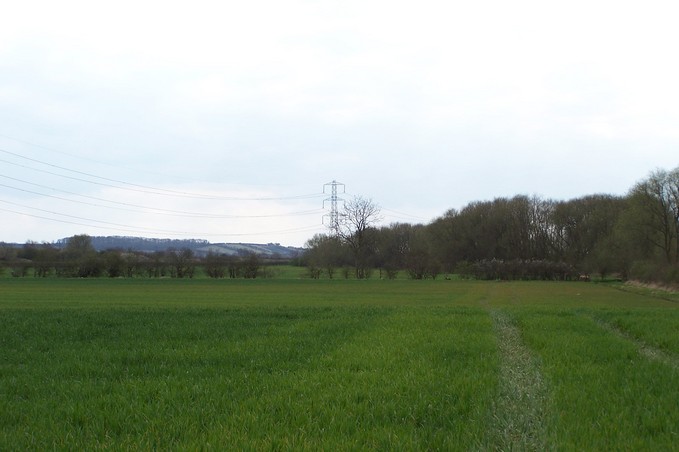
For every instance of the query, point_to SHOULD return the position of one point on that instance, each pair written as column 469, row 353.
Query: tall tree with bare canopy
column 356, row 230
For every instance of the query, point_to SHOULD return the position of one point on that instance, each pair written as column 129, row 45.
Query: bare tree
column 215, row 265
column 656, row 202
column 356, row 230
column 182, row 262
column 673, row 189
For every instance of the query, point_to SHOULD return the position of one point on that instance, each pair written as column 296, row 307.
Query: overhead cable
column 143, row 230
column 156, row 210
column 142, row 188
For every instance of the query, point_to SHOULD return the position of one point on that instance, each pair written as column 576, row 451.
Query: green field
column 326, row 365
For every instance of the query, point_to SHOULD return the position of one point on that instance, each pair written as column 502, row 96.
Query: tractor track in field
column 649, row 351
column 519, row 411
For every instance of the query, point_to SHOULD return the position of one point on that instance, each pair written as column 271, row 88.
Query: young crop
column 334, row 364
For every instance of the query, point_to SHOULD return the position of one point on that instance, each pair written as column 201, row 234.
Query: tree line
column 77, row 258
column 635, row 236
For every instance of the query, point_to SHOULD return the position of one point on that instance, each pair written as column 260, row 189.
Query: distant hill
column 199, row 247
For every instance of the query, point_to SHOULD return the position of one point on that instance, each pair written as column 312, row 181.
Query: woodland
column 634, row 236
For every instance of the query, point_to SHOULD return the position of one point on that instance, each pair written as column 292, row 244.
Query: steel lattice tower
column 334, row 212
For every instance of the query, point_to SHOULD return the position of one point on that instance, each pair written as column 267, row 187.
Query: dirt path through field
column 521, row 406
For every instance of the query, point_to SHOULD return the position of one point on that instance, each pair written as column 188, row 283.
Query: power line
column 147, row 209
column 49, row 191
column 79, row 157
column 334, row 189
column 139, row 188
column 397, row 214
column 137, row 230
column 403, row 215
column 112, row 165
column 88, row 219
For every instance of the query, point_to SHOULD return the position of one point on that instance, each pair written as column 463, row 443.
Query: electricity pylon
column 334, row 212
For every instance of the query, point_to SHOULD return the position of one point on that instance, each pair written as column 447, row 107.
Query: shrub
column 517, row 269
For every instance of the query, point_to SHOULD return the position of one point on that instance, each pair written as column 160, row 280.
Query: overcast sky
column 224, row 120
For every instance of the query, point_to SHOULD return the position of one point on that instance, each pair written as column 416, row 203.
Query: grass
column 303, row 364
column 654, row 327
column 606, row 394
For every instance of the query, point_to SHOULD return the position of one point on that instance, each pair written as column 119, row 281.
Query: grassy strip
column 519, row 410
